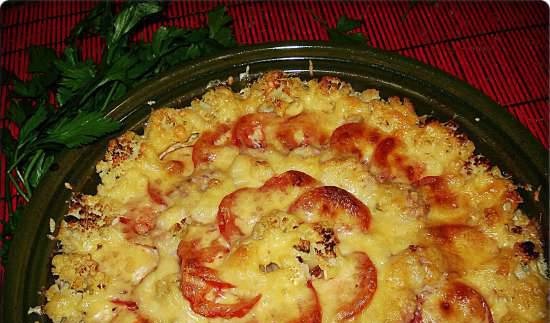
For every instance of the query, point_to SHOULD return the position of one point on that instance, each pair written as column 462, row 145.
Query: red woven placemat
column 500, row 48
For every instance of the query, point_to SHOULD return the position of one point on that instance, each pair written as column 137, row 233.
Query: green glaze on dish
column 495, row 133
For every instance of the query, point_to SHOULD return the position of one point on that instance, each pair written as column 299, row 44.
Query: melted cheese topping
column 296, row 201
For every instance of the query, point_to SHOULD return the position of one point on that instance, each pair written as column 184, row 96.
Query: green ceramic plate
column 496, row 135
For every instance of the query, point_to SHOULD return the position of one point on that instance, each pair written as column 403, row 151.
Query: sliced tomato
column 383, row 149
column 203, row 149
column 199, row 281
column 207, row 308
column 191, row 253
column 301, row 130
column 366, row 287
column 454, row 302
column 155, row 194
column 460, row 297
column 291, row 178
column 248, row 131
column 226, row 218
column 349, row 138
column 331, row 201
column 438, row 189
column 129, row 305
column 194, row 257
column 140, row 220
column 209, row 276
column 353, row 138
column 381, row 163
column 414, row 172
column 313, row 312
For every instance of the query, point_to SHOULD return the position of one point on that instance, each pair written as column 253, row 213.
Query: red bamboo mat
column 501, row 48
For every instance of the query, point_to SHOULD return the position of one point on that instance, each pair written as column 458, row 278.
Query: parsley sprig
column 64, row 103
column 343, row 32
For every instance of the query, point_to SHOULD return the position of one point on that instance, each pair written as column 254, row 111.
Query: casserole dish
column 495, row 133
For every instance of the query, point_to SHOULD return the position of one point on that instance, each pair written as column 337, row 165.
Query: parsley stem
column 17, row 188
column 31, row 164
column 24, row 182
column 18, row 159
column 87, row 95
column 108, row 99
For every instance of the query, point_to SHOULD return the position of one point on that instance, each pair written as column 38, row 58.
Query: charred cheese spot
column 527, row 250
column 120, row 149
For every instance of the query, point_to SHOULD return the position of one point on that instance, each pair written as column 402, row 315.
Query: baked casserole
column 297, row 201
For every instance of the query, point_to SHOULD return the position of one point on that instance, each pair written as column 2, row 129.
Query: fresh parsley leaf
column 36, row 87
column 225, row 37
column 197, row 35
column 217, row 19
column 218, row 29
column 125, row 21
column 159, row 39
column 130, row 16
column 71, row 55
column 41, row 59
column 30, row 89
column 37, row 167
column 117, row 91
column 351, row 38
column 346, row 24
column 81, row 130
column 18, row 110
column 8, row 142
column 342, row 33
column 84, row 90
column 39, row 116
column 166, row 38
column 119, row 69
column 63, row 95
column 183, row 54
column 99, row 21
column 138, row 69
column 75, row 76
